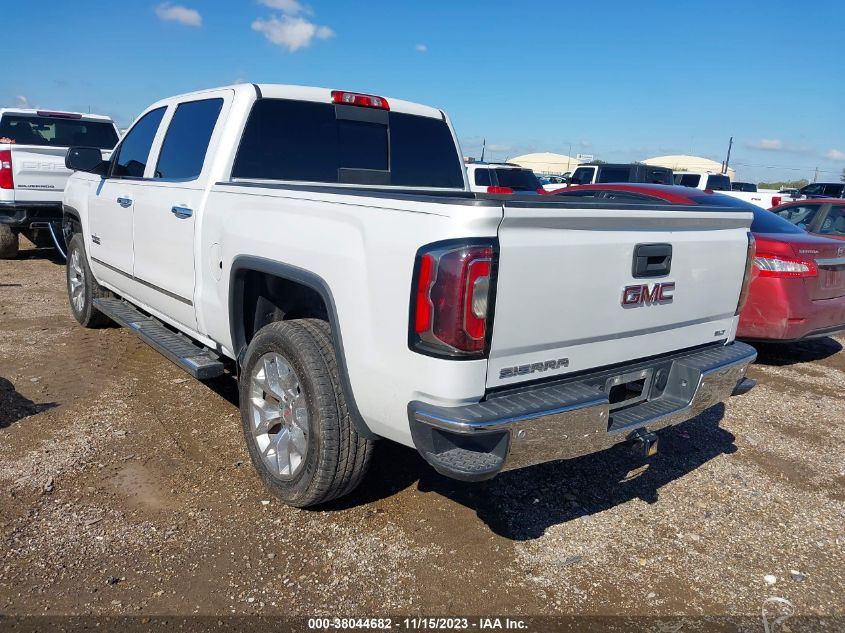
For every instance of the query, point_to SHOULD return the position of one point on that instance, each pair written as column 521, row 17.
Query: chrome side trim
column 143, row 283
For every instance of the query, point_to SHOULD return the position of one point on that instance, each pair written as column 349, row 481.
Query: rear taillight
column 746, row 278
column 450, row 312
column 770, row 265
column 495, row 189
column 358, row 99
column 776, row 200
column 7, row 181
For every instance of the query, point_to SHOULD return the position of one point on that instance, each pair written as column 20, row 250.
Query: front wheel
column 82, row 288
column 297, row 426
column 8, row 242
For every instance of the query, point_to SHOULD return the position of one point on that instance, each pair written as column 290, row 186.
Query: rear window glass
column 800, row 215
column 56, row 132
column 614, row 174
column 301, row 140
column 718, row 183
column 768, row 222
column 518, row 179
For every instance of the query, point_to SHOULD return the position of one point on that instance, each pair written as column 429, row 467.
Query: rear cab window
column 325, row 143
column 518, row 179
column 614, row 174
column 718, row 182
column 57, row 131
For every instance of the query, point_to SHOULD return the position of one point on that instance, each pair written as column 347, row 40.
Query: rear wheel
column 82, row 288
column 8, row 242
column 297, row 426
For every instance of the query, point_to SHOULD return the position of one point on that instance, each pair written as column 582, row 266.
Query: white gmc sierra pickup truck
column 325, row 246
column 33, row 146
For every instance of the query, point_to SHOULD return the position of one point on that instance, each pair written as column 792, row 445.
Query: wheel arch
column 243, row 305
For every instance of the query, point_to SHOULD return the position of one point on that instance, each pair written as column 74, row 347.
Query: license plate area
column 624, row 390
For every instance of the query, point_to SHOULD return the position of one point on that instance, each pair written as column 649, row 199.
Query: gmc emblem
column 646, row 294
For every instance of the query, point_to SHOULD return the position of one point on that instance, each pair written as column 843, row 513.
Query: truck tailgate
column 39, row 173
column 563, row 270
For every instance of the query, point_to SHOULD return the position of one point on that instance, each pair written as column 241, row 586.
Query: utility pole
column 816, row 174
column 728, row 159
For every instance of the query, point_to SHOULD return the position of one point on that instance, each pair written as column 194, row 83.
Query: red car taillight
column 771, row 265
column 746, row 279
column 776, row 200
column 7, row 181
column 450, row 312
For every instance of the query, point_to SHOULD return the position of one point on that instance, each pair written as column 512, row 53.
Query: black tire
column 336, row 457
column 77, row 271
column 8, row 242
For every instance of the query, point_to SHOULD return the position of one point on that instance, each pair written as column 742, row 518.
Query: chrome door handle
column 182, row 212
column 124, row 201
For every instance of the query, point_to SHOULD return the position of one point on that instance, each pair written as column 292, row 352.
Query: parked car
column 33, row 144
column 798, row 286
column 502, row 178
column 798, row 283
column 359, row 289
column 822, row 190
column 722, row 184
column 747, row 187
column 825, row 216
column 589, row 173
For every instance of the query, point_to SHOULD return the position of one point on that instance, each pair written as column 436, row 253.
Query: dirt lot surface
column 125, row 488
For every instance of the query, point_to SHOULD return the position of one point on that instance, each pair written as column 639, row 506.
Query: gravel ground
column 125, row 488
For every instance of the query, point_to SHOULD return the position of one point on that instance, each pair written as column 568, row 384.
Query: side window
column 131, row 157
column 582, row 176
column 832, row 190
column 800, row 215
column 687, row 180
column 834, row 223
column 615, row 174
column 482, row 177
column 186, row 143
column 812, row 190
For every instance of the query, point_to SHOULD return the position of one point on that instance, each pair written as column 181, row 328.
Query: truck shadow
column 15, row 407
column 782, row 354
column 520, row 505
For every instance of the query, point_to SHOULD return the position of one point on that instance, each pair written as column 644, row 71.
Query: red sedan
column 798, row 284
column 825, row 216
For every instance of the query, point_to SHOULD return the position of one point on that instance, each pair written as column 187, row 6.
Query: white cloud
column 834, row 154
column 22, row 102
column 177, row 13
column 288, row 7
column 292, row 33
column 421, row 48
column 768, row 144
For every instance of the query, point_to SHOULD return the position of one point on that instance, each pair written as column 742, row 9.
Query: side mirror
column 89, row 159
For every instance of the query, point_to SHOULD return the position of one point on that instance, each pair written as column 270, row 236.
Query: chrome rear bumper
column 574, row 417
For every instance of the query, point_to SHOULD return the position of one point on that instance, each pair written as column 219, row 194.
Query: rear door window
column 583, row 176
column 312, row 142
column 834, row 191
column 48, row 131
column 130, row 159
column 834, row 223
column 186, row 143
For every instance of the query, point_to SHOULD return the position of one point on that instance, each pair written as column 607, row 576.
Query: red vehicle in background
column 798, row 284
column 824, row 216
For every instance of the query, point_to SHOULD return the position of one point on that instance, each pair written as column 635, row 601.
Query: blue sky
column 620, row 80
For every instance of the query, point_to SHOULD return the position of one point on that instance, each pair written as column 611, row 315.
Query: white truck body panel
column 561, row 272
